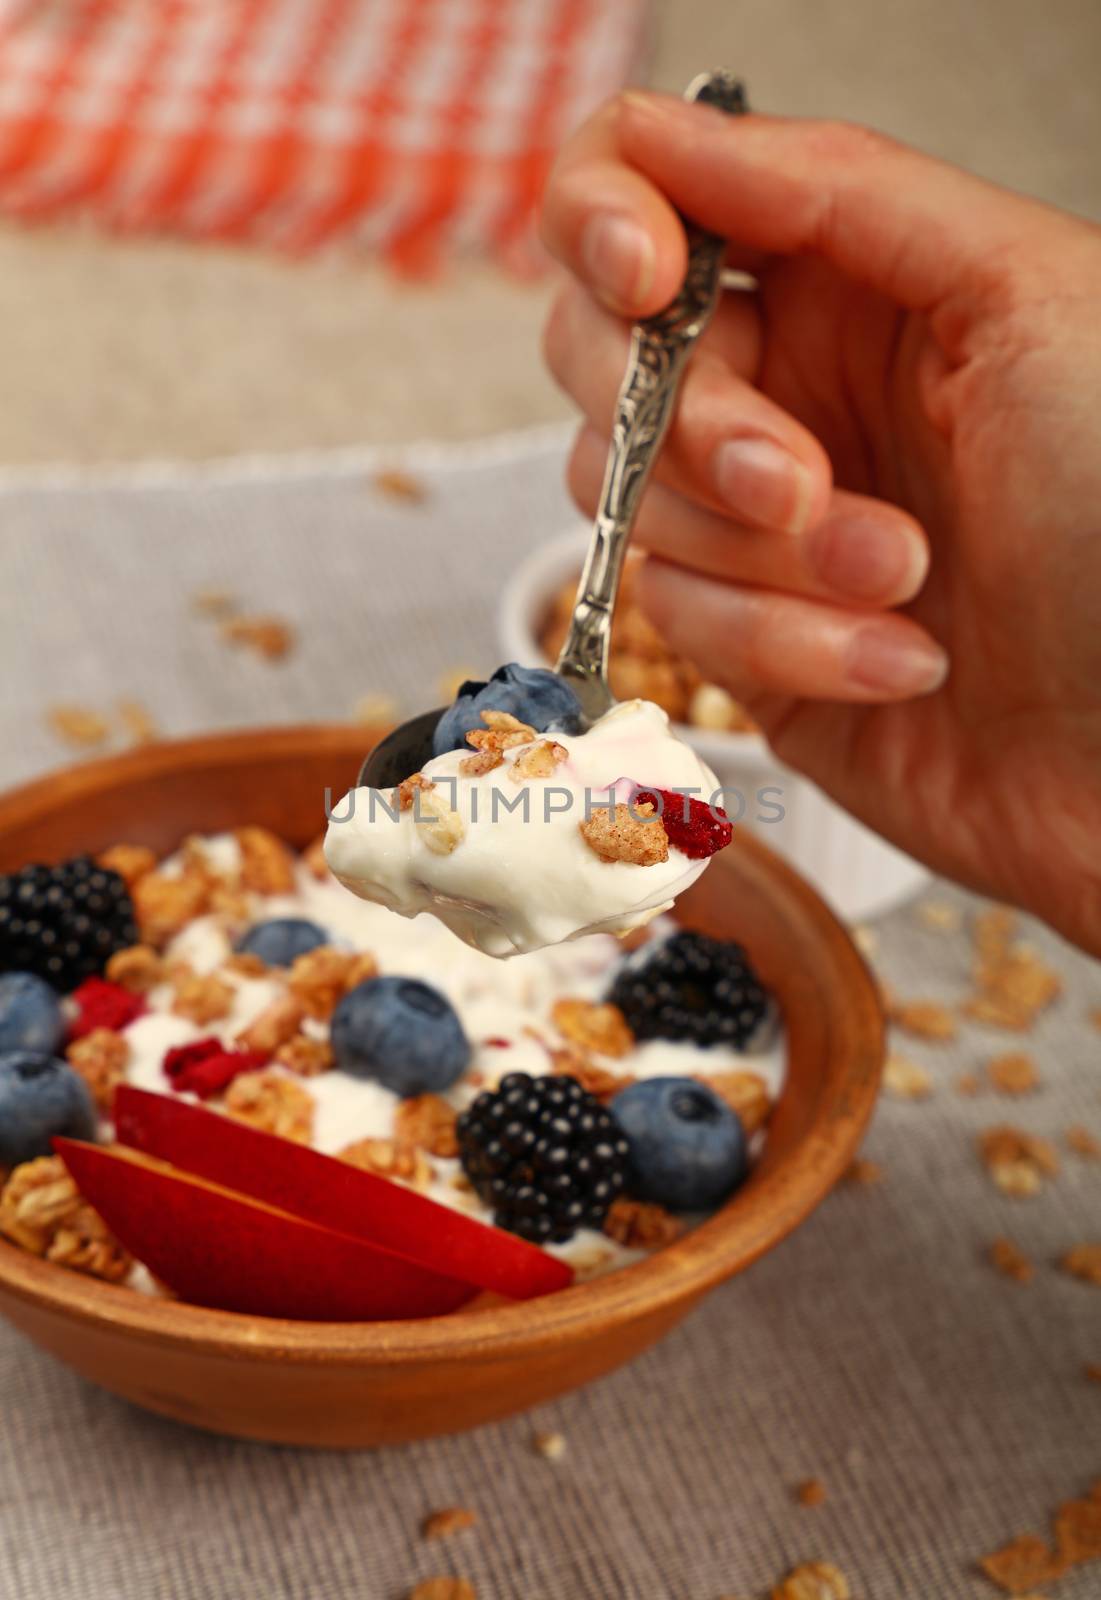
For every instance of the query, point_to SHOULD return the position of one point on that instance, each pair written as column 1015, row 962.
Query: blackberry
column 545, row 1154
column 64, row 922
column 693, row 988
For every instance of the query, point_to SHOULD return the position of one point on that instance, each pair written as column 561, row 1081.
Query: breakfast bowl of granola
column 859, row 874
column 283, row 1164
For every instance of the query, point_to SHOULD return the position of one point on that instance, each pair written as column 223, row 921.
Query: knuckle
column 846, row 142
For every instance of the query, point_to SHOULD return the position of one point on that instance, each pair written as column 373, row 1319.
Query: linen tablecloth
column 413, row 126
column 944, row 1407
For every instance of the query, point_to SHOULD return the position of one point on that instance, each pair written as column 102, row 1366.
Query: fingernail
column 868, row 558
column 763, row 483
column 618, row 257
column 882, row 660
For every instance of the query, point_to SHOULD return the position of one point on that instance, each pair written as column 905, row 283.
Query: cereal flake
column 814, row 1580
column 538, row 761
column 443, row 1589
column 905, row 1080
column 925, row 1019
column 1017, row 1161
column 269, row 637
column 1084, row 1261
column 78, row 726
column 1083, row 1142
column 1023, row 1563
column 452, row 1519
column 626, row 833
column 811, row 1492
column 1010, row 1260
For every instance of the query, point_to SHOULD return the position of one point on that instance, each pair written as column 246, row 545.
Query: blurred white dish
column 857, row 871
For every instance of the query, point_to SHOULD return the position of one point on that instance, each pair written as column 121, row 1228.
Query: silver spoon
column 660, row 347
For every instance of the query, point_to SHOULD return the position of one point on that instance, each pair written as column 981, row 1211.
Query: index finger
column 609, row 224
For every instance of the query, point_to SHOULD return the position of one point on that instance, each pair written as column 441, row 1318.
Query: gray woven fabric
column 944, row 1407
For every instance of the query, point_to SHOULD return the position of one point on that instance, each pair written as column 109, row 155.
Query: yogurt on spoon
column 526, row 837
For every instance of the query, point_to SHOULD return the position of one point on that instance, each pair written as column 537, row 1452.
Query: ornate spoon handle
column 660, row 346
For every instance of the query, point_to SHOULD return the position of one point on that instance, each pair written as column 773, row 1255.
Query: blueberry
column 30, row 1013
column 687, row 1148
column 40, row 1097
column 402, row 1033
column 535, row 695
column 279, row 941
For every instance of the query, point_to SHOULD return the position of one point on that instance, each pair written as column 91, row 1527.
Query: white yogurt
column 519, row 875
column 504, row 1008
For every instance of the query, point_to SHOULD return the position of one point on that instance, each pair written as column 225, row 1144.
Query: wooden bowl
column 355, row 1384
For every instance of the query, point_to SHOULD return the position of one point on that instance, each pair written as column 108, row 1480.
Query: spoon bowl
column 404, row 750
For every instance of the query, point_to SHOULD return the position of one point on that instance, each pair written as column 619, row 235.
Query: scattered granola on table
column 864, row 1173
column 1010, row 1260
column 1012, row 983
column 78, row 726
column 1019, row 1162
column 443, row 1589
column 905, row 1080
column 1083, row 1143
column 925, row 1019
column 270, row 638
column 1013, row 1074
column 1084, row 1261
column 451, row 1520
column 811, row 1492
column 814, row 1580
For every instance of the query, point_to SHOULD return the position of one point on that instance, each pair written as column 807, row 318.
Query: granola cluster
column 41, row 1209
column 273, row 1103
column 641, row 665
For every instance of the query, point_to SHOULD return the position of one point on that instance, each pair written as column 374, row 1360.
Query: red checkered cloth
column 415, row 127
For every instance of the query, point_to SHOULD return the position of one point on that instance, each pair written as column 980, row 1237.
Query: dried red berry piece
column 100, row 1004
column 206, row 1067
column 691, row 825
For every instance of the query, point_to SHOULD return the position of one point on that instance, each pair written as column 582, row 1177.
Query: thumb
column 915, row 229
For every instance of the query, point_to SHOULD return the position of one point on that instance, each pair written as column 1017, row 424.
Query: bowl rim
column 679, row 1272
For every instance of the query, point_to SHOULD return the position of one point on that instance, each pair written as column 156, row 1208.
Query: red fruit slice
column 334, row 1194
column 100, row 1004
column 691, row 826
column 217, row 1248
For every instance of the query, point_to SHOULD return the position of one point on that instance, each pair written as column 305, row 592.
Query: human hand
column 877, row 517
